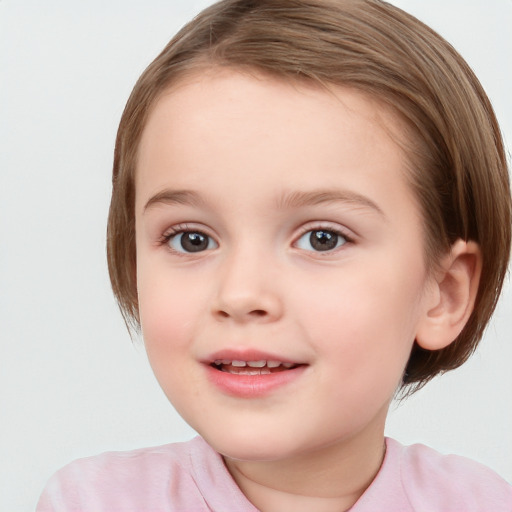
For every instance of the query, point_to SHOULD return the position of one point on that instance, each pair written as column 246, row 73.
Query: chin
column 259, row 446
column 240, row 446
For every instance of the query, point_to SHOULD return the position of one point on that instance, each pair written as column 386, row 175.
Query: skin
column 242, row 143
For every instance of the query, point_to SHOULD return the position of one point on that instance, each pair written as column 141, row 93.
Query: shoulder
column 451, row 483
column 130, row 480
column 138, row 464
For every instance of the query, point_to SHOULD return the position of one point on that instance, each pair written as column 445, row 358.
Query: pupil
column 194, row 242
column 323, row 240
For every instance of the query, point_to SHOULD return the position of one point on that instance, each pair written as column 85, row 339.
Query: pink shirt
column 191, row 477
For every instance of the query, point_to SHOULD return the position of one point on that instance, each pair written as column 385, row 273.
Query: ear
column 452, row 297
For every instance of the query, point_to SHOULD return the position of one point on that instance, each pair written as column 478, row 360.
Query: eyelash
column 184, row 228
column 311, row 228
column 179, row 230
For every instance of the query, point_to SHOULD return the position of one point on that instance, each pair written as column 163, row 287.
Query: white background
column 71, row 381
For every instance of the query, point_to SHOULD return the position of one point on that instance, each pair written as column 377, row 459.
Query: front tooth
column 239, row 364
column 256, row 364
column 273, row 364
column 287, row 365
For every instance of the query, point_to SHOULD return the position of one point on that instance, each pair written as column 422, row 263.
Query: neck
column 330, row 478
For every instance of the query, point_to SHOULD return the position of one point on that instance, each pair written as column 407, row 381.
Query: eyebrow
column 288, row 200
column 315, row 197
column 170, row 197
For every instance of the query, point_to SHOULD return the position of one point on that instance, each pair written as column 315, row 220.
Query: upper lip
column 248, row 354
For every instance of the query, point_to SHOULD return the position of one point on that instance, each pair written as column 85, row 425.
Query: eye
column 190, row 241
column 321, row 240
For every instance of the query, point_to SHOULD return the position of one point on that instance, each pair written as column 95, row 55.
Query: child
column 311, row 210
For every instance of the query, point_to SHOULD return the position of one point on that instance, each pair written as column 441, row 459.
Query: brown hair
column 458, row 164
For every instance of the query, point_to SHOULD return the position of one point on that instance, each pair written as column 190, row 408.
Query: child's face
column 297, row 240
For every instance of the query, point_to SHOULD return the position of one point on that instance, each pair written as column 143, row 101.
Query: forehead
column 243, row 127
column 192, row 95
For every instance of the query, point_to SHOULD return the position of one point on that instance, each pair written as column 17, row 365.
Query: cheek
column 169, row 312
column 366, row 319
column 167, row 309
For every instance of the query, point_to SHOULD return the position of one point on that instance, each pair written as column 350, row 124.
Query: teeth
column 256, row 364
column 252, row 364
column 260, row 371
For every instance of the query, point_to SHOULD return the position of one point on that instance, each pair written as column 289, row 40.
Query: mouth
column 260, row 367
column 251, row 373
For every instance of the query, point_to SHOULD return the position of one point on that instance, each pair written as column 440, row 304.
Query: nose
column 248, row 290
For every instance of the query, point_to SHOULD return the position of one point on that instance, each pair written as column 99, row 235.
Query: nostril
column 255, row 313
column 258, row 312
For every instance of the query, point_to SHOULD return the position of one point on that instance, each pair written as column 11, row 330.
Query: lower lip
column 252, row 386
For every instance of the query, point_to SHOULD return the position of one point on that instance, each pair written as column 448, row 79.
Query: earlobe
column 453, row 297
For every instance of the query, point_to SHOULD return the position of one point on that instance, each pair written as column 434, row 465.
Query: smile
column 261, row 367
column 252, row 374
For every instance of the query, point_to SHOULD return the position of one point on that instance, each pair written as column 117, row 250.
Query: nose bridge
column 247, row 286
